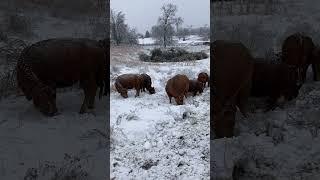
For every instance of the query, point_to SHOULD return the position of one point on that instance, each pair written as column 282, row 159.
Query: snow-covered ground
column 190, row 40
column 146, row 41
column 281, row 144
column 30, row 140
column 152, row 139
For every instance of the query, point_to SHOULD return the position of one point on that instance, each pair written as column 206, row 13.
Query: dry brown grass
column 124, row 54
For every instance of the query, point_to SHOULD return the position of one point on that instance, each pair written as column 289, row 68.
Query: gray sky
column 143, row 14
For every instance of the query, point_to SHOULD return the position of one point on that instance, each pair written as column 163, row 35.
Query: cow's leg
column 137, row 91
column 316, row 71
column 170, row 99
column 92, row 95
column 304, row 73
column 242, row 99
column 271, row 104
column 84, row 106
column 89, row 87
column 194, row 93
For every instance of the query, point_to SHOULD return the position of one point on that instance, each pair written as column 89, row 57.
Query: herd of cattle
column 56, row 63
column 237, row 75
column 61, row 62
column 176, row 87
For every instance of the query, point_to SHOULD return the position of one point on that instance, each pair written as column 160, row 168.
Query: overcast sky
column 143, row 14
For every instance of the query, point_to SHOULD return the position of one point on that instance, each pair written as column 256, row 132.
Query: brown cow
column 129, row 81
column 177, row 87
column 204, row 78
column 195, row 86
column 233, row 68
column 274, row 80
column 316, row 64
column 147, row 84
column 297, row 51
column 57, row 63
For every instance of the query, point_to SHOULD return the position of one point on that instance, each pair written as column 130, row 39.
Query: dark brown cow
column 204, row 78
column 177, row 87
column 129, row 81
column 274, row 80
column 297, row 51
column 316, row 64
column 147, row 84
column 195, row 86
column 57, row 63
column 233, row 68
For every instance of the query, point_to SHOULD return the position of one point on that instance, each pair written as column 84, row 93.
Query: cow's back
column 128, row 81
column 65, row 61
column 178, row 85
column 272, row 79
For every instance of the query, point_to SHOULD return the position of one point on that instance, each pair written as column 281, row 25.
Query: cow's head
column 179, row 99
column 44, row 98
column 124, row 93
column 151, row 90
column 203, row 77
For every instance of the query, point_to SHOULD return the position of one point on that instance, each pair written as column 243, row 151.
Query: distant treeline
column 63, row 8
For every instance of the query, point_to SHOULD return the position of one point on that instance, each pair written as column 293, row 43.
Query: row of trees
column 168, row 25
column 120, row 31
column 232, row 7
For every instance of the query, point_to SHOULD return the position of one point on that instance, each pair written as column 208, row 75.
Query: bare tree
column 158, row 33
column 178, row 22
column 248, row 6
column 241, row 6
column 166, row 22
column 120, row 31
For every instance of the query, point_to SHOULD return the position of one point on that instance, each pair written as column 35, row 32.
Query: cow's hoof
column 82, row 111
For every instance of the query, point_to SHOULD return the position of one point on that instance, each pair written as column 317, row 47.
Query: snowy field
column 30, row 140
column 152, row 139
column 281, row 144
column 191, row 40
column 146, row 41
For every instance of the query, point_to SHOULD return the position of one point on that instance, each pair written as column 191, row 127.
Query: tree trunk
column 241, row 6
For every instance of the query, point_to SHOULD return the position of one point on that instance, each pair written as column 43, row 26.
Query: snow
column 146, row 41
column 150, row 139
column 29, row 139
column 190, row 40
